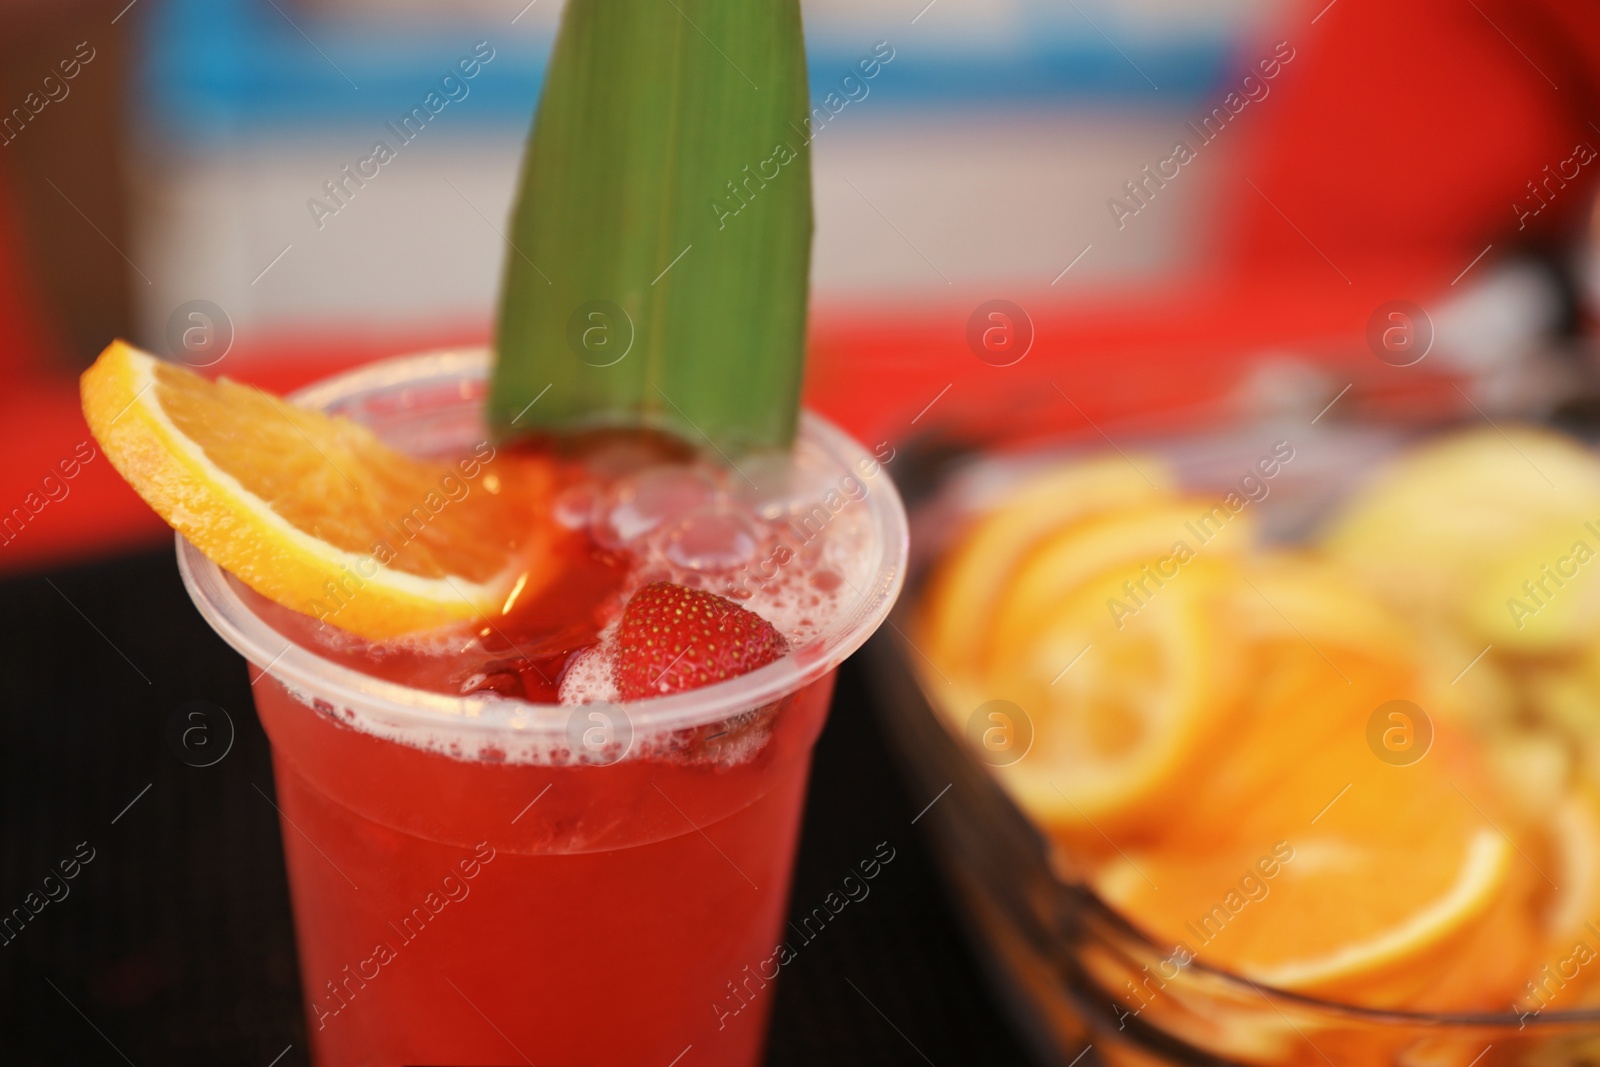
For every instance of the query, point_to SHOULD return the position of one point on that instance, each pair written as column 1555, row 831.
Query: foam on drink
column 788, row 547
column 787, row 536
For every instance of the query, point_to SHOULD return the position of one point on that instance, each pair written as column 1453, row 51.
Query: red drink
column 480, row 879
column 599, row 927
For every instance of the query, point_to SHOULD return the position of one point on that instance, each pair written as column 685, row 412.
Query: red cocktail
column 485, row 879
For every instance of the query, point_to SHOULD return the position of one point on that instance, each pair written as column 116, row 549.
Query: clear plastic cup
column 486, row 881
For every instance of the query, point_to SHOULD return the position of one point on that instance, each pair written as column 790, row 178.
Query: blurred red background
column 1391, row 166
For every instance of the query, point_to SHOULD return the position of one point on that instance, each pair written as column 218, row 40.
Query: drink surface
column 784, row 535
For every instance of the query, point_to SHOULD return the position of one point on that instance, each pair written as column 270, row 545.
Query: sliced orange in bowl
column 1353, row 880
column 315, row 512
column 1163, row 722
column 971, row 579
column 1146, row 547
column 1122, row 710
column 1300, row 596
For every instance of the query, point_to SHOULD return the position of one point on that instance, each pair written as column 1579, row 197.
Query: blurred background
column 989, row 141
column 1336, row 156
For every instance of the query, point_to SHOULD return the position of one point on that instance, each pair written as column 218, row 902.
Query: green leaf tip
column 661, row 238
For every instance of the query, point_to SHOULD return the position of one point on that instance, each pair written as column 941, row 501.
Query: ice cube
column 774, row 485
column 639, row 504
column 712, row 539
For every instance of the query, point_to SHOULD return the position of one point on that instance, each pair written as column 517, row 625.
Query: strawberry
column 673, row 638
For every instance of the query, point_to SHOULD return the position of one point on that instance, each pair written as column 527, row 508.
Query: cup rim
column 309, row 675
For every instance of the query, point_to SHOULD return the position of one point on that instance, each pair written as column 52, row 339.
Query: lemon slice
column 1454, row 528
column 313, row 511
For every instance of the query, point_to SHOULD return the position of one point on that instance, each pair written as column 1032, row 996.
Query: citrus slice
column 1454, row 528
column 1292, row 706
column 1120, row 709
column 1575, row 829
column 975, row 574
column 1349, row 882
column 314, row 511
column 1144, row 549
column 1570, row 946
column 1489, row 963
column 1535, row 597
column 1300, row 597
column 1104, row 637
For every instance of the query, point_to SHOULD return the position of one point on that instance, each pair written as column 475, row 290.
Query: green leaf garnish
column 661, row 239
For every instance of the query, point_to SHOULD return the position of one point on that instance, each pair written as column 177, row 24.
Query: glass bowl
column 1083, row 983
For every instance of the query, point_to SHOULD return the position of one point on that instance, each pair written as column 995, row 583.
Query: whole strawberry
column 673, row 638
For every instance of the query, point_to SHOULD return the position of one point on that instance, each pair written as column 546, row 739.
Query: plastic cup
column 484, row 881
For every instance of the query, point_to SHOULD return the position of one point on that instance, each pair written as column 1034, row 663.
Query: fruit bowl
column 1088, row 982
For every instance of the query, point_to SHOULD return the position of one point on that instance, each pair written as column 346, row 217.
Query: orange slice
column 1561, row 973
column 973, row 576
column 1177, row 722
column 1487, row 967
column 1146, row 548
column 1121, row 706
column 1350, row 882
column 314, row 511
column 1302, row 597
column 1292, row 706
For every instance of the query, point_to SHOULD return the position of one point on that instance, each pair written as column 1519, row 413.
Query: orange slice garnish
column 314, row 511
